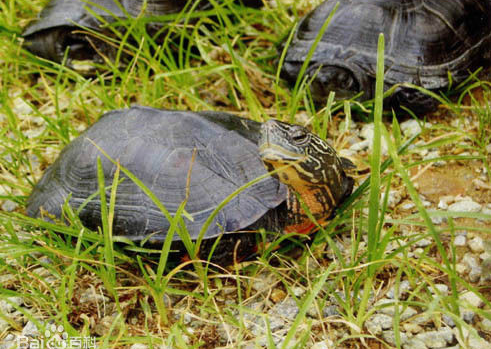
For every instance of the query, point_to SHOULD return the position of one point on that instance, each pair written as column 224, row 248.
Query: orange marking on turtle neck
column 306, row 227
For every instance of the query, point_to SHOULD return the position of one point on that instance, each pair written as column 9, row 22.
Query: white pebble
column 465, row 206
column 476, row 245
column 460, row 240
column 471, row 298
column 408, row 206
column 139, row 346
column 412, row 127
column 393, row 199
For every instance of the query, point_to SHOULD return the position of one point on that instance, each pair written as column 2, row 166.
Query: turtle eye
column 299, row 136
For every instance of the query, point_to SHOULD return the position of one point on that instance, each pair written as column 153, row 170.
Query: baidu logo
column 55, row 337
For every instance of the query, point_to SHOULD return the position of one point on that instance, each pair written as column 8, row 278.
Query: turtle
column 61, row 24
column 426, row 41
column 204, row 157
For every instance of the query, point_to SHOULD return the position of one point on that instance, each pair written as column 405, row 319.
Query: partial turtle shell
column 53, row 32
column 425, row 41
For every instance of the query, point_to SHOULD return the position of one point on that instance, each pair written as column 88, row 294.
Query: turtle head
column 308, row 165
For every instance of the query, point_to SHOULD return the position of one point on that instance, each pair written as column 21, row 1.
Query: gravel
column 441, row 288
column 471, row 338
column 476, row 245
column 404, row 313
column 460, row 240
column 436, row 339
column 485, row 325
column 323, row 345
column 390, row 337
column 139, row 346
column 393, row 199
column 30, row 330
column 404, row 287
column 379, row 322
column 415, row 343
column 367, row 132
column 9, row 206
column 412, row 127
column 467, row 205
column 471, row 298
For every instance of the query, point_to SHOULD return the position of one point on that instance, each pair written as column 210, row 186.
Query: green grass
column 224, row 65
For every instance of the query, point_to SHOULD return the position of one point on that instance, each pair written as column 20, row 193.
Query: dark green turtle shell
column 56, row 28
column 425, row 41
column 157, row 146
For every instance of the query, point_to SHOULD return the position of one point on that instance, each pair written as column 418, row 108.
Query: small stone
column 435, row 339
column 441, row 288
column 472, row 339
column 331, row 310
column 485, row 255
column 393, row 199
column 412, row 328
column 412, row 127
column 187, row 317
column 418, row 252
column 415, row 343
column 476, row 245
column 367, row 132
column 390, row 310
column 9, row 206
column 437, row 220
column 442, row 205
column 423, row 243
column 468, row 316
column 472, row 299
column 389, row 336
column 287, row 309
column 103, row 325
column 446, row 333
column 485, row 325
column 408, row 206
column 263, row 282
column 139, row 346
column 298, row 291
column 30, row 330
column 466, row 205
column 475, row 274
column 404, row 286
column 378, row 322
column 327, row 344
column 278, row 295
column 460, row 240
column 363, row 145
column 4, row 325
column 21, row 107
column 461, row 268
column 434, row 154
column 91, row 296
column 347, row 153
column 6, row 305
column 251, row 320
column 426, row 203
column 470, row 260
column 448, row 320
column 422, row 319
